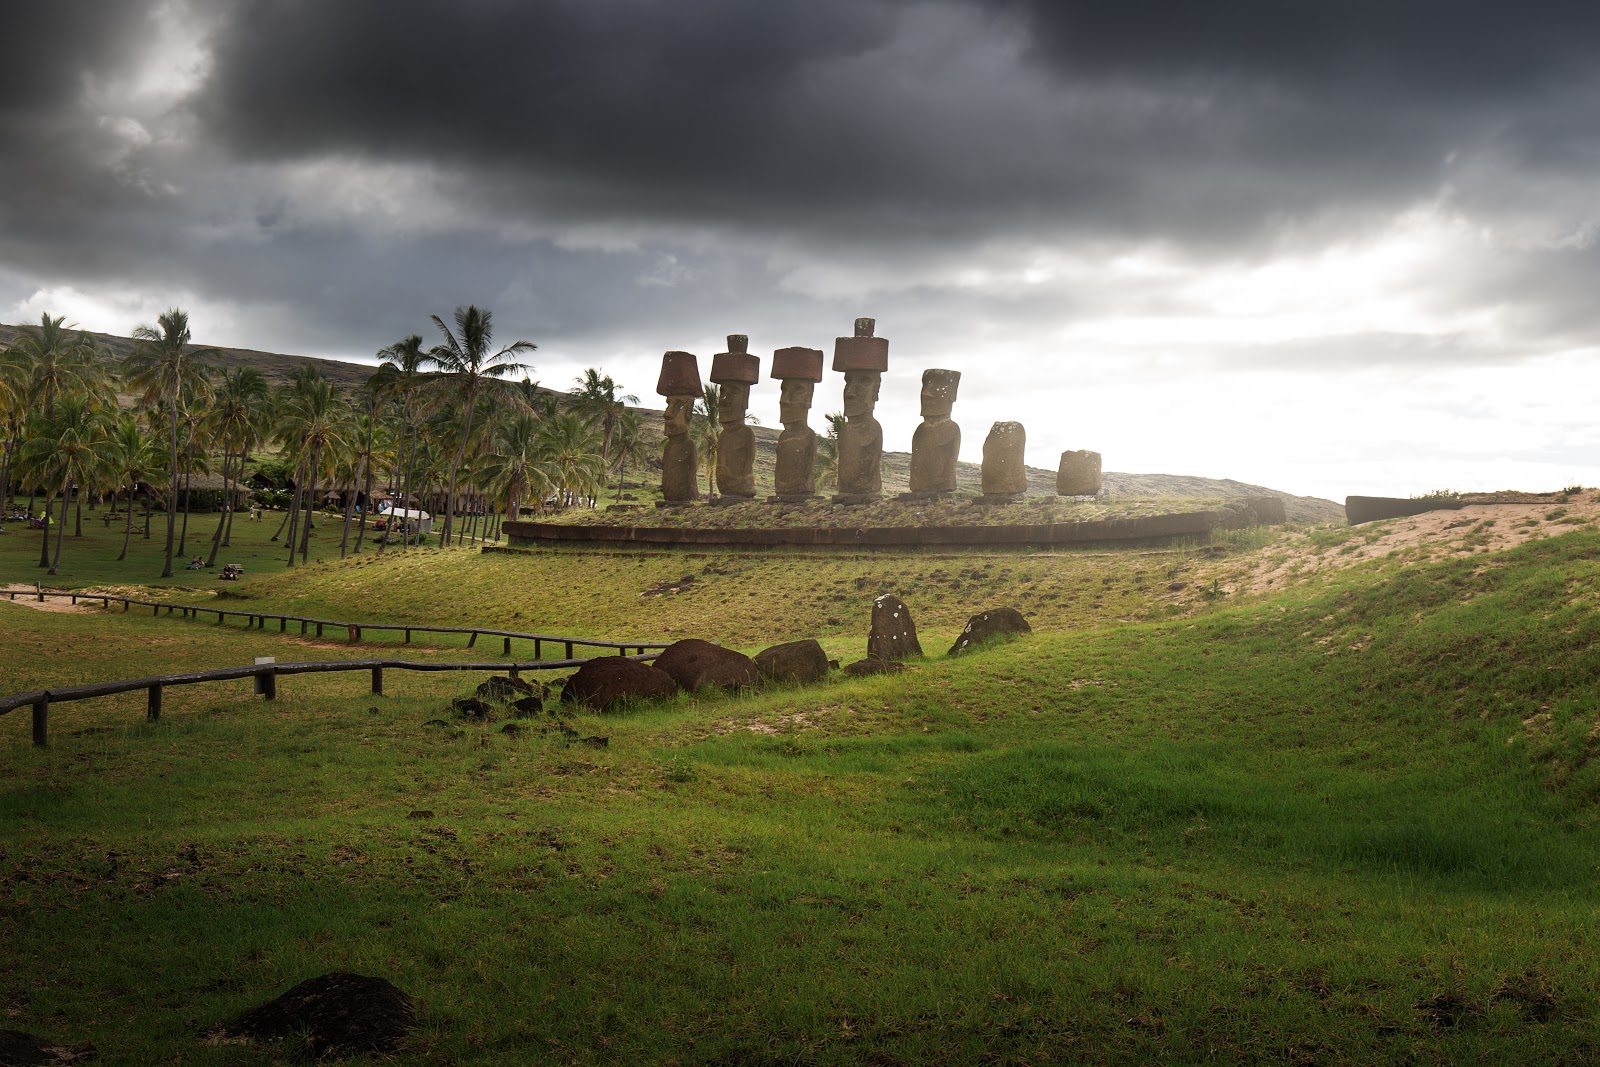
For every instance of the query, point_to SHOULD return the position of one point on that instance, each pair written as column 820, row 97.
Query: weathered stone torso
column 736, row 461
column 680, row 469
column 934, row 449
column 861, row 457
column 796, row 474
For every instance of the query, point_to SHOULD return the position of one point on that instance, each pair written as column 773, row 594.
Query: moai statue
column 863, row 358
column 1079, row 474
column 1005, row 477
column 735, row 371
column 799, row 369
column 680, row 464
column 937, row 442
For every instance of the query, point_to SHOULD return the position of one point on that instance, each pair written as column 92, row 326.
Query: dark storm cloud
column 1205, row 123
column 51, row 47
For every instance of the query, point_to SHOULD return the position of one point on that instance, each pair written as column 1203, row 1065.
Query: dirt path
column 1475, row 528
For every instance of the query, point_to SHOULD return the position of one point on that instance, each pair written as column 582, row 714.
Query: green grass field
column 1354, row 822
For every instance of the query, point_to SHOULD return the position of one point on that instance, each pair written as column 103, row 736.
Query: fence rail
column 258, row 620
column 266, row 676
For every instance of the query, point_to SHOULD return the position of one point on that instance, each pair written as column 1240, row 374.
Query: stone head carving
column 939, row 392
column 680, row 409
column 861, row 392
column 735, row 401
column 794, row 401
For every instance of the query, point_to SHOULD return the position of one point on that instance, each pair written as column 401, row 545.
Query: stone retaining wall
column 1150, row 530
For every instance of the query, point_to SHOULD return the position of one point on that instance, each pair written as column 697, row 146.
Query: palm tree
column 236, row 421
column 705, row 429
column 467, row 363
column 164, row 367
column 68, row 450
column 52, row 359
column 596, row 399
column 517, row 468
column 631, row 445
column 828, row 450
column 133, row 460
column 316, row 420
column 570, row 448
column 400, row 377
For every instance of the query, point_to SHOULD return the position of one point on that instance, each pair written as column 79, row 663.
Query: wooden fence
column 266, row 680
column 354, row 630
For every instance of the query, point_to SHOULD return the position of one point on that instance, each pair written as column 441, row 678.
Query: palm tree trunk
column 77, row 515
column 146, row 510
column 233, row 499
column 44, row 549
column 188, row 474
column 227, row 510
column 172, row 490
column 305, row 534
column 293, row 518
column 61, row 533
column 350, row 512
column 127, row 531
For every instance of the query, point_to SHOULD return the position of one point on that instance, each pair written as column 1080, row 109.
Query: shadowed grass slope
column 1289, row 831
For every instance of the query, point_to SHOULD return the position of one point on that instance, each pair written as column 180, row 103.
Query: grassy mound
column 1352, row 822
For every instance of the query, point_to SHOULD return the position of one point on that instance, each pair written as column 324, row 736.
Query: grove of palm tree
column 457, row 429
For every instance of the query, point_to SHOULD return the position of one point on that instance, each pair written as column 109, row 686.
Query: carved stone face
column 735, row 400
column 794, row 401
column 860, row 392
column 679, row 410
column 938, row 397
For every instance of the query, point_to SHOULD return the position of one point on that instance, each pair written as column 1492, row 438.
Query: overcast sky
column 1327, row 247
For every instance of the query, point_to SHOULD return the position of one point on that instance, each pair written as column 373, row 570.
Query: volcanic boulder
column 794, row 661
column 694, row 664
column 987, row 625
column 609, row 680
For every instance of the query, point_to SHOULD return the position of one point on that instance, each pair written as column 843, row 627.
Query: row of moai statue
column 863, row 359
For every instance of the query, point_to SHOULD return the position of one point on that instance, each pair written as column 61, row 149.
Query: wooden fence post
column 153, row 711
column 473, row 639
column 355, row 635
column 377, row 681
column 41, row 721
column 507, row 651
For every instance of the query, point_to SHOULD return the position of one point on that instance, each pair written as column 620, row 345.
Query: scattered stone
column 988, row 625
column 436, row 722
column 421, row 813
column 595, row 741
column 512, row 729
column 1269, row 510
column 1079, row 474
column 336, row 1014
column 863, row 667
column 893, row 635
column 472, row 708
column 527, row 707
column 794, row 661
column 372, row 710
column 503, row 690
column 694, row 664
column 608, row 680
column 18, row 1049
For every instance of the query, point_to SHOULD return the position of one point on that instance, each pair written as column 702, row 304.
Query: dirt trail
column 1475, row 528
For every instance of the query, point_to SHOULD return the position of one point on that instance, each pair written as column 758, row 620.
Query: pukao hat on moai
column 736, row 366
column 680, row 375
column 803, row 363
column 863, row 351
column 938, row 376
